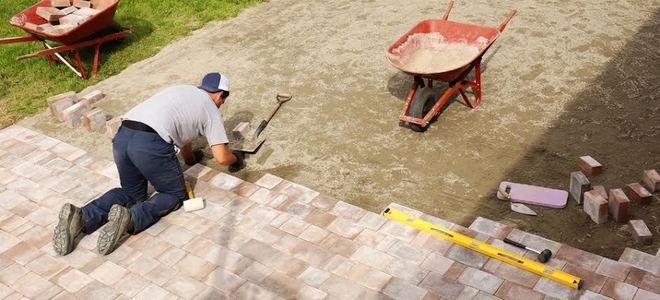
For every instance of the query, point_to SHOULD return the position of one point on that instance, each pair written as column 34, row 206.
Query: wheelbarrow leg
column 476, row 85
column 442, row 101
column 418, row 82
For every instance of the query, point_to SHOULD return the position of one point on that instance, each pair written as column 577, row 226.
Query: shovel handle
column 261, row 127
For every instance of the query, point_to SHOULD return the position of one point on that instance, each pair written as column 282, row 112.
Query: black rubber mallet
column 544, row 256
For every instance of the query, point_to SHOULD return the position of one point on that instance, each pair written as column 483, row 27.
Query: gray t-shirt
column 181, row 113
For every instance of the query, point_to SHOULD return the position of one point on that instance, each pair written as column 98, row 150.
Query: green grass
column 25, row 84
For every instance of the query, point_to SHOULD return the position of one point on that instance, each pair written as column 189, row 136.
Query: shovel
column 252, row 145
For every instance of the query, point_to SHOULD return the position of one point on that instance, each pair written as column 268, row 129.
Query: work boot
column 119, row 222
column 68, row 227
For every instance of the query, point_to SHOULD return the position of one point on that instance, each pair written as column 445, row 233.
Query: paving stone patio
column 272, row 239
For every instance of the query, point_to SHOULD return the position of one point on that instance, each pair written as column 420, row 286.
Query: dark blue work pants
column 140, row 157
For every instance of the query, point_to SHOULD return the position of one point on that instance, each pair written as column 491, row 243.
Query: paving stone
column 589, row 295
column 42, row 216
column 490, row 227
column 23, row 209
column 245, row 189
column 432, row 243
column 307, row 292
column 651, row 180
column 591, row 281
column 311, row 253
column 556, row 290
column 10, row 199
column 645, row 295
column 366, row 276
column 579, row 184
column 637, row 194
column 372, row 257
column 283, row 285
column 32, row 285
column 5, row 291
column 22, row 253
column 67, row 151
column 211, row 293
column 227, row 259
column 320, row 218
column 613, row 269
column 131, row 284
column 256, row 272
column 313, row 276
column 224, row 281
column 109, row 273
column 403, row 250
column 340, row 245
column 579, row 258
column 618, row 290
column 399, row 230
column 641, row 260
column 324, row 202
column 314, row 234
column 596, row 207
column 435, row 283
column 153, row 247
column 400, row 289
column 345, row 227
column 296, row 208
column 45, row 266
column 296, row 191
column 73, row 280
column 152, row 292
column 372, row 221
column 512, row 291
column 406, row 270
column 512, row 273
column 601, row 191
column 339, row 265
column 467, row 256
column 172, row 256
column 287, row 264
column 194, row 266
column 197, row 171
column 480, row 280
column 225, row 181
column 160, row 274
column 618, row 204
column 252, row 291
column 262, row 214
column 268, row 181
column 437, row 263
column 184, row 287
column 640, row 232
column 294, row 226
column 341, row 288
column 644, row 280
column 348, row 211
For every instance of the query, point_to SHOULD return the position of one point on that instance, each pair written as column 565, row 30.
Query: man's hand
column 240, row 161
column 198, row 155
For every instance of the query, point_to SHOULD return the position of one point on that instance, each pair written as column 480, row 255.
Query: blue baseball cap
column 215, row 82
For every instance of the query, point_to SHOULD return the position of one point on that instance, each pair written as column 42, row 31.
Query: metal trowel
column 517, row 207
column 254, row 141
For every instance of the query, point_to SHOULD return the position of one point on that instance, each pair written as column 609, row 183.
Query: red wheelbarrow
column 445, row 51
column 94, row 31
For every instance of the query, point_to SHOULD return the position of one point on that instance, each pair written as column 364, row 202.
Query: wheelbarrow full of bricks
column 441, row 50
column 70, row 25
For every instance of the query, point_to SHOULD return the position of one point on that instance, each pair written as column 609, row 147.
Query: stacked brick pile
column 272, row 239
column 617, row 203
column 62, row 16
column 77, row 111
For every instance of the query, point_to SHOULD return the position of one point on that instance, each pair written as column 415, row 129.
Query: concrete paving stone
column 369, row 277
column 240, row 205
column 307, row 292
column 641, row 260
column 160, row 274
column 435, row 283
column 93, row 264
column 225, row 181
column 258, row 251
column 311, row 253
column 264, row 196
column 211, row 293
column 152, row 246
column 400, row 289
column 348, row 211
column 278, row 201
column 313, row 276
column 154, row 292
column 345, row 227
column 22, row 253
column 20, row 149
column 314, row 234
column 589, row 295
column 267, row 234
column 109, row 273
column 64, row 295
column 197, row 170
column 178, row 217
column 436, row 262
column 32, row 285
column 143, row 265
column 637, row 194
column 405, row 251
column 533, row 241
column 296, row 191
column 399, row 230
column 268, row 181
column 40, row 157
column 22, row 229
column 200, row 225
column 481, row 280
column 592, row 281
column 42, row 216
column 372, row 221
column 342, row 288
column 512, row 291
column 467, row 256
column 7, row 177
column 212, row 211
column 296, row 208
column 515, row 274
column 294, row 226
column 7, row 241
column 67, row 151
column 372, row 257
column 387, row 243
column 554, row 289
column 85, row 160
column 490, row 227
column 184, row 287
column 256, row 272
column 286, row 264
column 24, row 208
column 279, row 220
column 406, row 270
column 225, row 237
column 158, row 227
column 285, row 286
column 227, row 259
column 82, row 194
column 61, row 184
column 339, row 265
column 644, row 280
column 640, row 232
column 27, row 169
column 320, row 218
column 73, row 280
column 262, row 214
column 287, row 242
column 46, row 266
column 131, row 284
column 645, row 295
column 324, row 202
column 49, row 293
column 245, row 189
column 370, row 238
column 89, row 241
column 22, row 185
column 176, row 235
column 618, row 290
column 432, row 243
column 224, row 281
column 171, row 256
column 11, row 223
column 469, row 293
column 407, row 210
column 194, row 266
column 252, row 291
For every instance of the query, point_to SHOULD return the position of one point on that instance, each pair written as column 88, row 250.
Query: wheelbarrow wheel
column 418, row 107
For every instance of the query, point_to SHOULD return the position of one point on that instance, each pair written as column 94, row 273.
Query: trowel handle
column 519, row 245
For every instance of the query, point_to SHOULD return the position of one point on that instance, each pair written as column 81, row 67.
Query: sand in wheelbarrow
column 429, row 53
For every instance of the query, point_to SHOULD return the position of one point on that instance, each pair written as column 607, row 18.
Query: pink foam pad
column 536, row 195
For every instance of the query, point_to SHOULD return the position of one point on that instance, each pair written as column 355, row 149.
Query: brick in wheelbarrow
column 590, row 166
column 640, row 232
column 637, row 194
column 618, row 204
column 595, row 206
column 82, row 3
column 60, row 3
column 50, row 14
column 69, row 10
column 58, row 103
column 579, row 185
column 72, row 19
column 651, row 180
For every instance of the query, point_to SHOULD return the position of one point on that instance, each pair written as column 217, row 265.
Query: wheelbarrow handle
column 18, row 39
column 506, row 21
column 449, row 7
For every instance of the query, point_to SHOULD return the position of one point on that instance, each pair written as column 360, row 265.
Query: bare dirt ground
column 565, row 79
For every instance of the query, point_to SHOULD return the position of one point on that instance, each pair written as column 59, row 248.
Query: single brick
column 112, row 126
column 481, row 280
column 595, row 206
column 618, row 204
column 618, row 290
column 50, row 14
column 641, row 260
column 590, row 165
column 60, row 3
column 601, row 191
column 73, row 114
column 640, row 232
column 613, row 269
column 512, row 291
column 58, row 103
column 94, row 119
column 651, row 180
column 637, row 194
column 31, row 26
column 68, row 10
column 241, row 130
column 45, row 27
column 71, row 19
column 579, row 185
column 86, row 12
column 93, row 96
column 82, row 3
